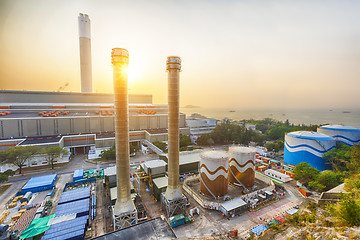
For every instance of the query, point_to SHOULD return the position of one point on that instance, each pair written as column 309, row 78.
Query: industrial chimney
column 124, row 210
column 85, row 53
column 173, row 66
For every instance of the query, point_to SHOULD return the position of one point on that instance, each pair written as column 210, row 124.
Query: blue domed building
column 343, row 134
column 308, row 146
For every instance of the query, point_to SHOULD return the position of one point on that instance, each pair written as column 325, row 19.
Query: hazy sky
column 238, row 54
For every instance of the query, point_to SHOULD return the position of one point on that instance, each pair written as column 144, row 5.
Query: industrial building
column 343, row 134
column 78, row 121
column 307, row 146
column 200, row 126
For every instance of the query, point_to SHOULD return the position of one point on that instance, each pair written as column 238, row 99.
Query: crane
column 63, row 87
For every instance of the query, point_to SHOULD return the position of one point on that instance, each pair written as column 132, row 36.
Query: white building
column 200, row 126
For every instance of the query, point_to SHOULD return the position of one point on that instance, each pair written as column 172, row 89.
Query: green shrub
column 3, row 177
column 9, row 172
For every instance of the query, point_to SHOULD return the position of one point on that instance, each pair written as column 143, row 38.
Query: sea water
column 348, row 117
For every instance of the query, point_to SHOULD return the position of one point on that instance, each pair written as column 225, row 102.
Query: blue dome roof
column 340, row 128
column 310, row 135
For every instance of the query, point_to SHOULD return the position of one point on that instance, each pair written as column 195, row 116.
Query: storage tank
column 343, row 134
column 307, row 146
column 214, row 167
column 242, row 165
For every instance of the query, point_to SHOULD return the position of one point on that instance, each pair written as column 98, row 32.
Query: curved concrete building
column 214, row 167
column 242, row 165
column 343, row 134
column 307, row 146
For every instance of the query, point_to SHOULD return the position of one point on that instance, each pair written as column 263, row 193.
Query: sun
column 133, row 72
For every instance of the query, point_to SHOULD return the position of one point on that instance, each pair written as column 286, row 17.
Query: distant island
column 191, row 106
column 197, row 115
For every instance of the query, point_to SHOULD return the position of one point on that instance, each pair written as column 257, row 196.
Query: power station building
column 77, row 120
column 307, row 146
column 343, row 134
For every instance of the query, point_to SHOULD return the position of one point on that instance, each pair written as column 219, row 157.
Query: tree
column 327, row 180
column 354, row 164
column 18, row 155
column 204, row 140
column 3, row 177
column 185, row 141
column 53, row 153
column 161, row 145
column 109, row 154
column 305, row 173
column 134, row 149
column 339, row 157
column 347, row 210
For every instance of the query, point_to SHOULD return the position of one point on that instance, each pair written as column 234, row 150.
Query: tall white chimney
column 85, row 53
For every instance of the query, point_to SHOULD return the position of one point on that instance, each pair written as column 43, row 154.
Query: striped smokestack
column 173, row 67
column 120, row 61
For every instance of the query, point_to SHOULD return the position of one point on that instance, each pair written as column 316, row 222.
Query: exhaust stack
column 124, row 205
column 173, row 67
column 85, row 53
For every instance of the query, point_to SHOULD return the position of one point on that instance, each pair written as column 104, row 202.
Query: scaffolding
column 175, row 206
column 124, row 220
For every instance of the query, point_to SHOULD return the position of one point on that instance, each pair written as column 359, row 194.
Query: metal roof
column 310, row 135
column 110, row 171
column 161, row 182
column 74, row 195
column 42, row 181
column 189, row 157
column 152, row 229
column 155, row 163
column 233, row 204
column 340, row 128
column 79, row 206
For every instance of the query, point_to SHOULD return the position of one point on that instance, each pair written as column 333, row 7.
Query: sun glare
column 133, row 72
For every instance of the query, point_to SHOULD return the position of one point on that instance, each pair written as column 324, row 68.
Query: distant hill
column 191, row 106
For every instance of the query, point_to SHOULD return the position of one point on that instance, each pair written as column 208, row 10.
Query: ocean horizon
column 350, row 117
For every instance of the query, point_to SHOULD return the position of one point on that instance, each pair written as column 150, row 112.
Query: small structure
column 113, row 193
column 258, row 229
column 277, row 175
column 304, row 191
column 333, row 195
column 154, row 167
column 110, row 176
column 159, row 186
column 39, row 184
column 78, row 174
column 233, row 207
